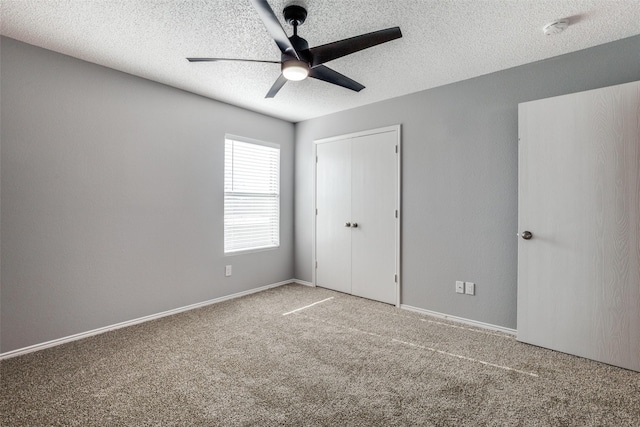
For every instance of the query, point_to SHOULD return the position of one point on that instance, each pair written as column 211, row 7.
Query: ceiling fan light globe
column 295, row 70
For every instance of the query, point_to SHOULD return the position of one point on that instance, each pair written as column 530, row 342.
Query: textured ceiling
column 443, row 42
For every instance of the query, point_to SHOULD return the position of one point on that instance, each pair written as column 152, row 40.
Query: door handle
column 526, row 235
column 354, row 225
column 347, row 224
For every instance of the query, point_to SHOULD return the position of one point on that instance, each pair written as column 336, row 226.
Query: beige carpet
column 346, row 361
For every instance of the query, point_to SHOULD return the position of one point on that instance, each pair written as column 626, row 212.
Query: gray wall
column 459, row 178
column 111, row 189
column 112, row 204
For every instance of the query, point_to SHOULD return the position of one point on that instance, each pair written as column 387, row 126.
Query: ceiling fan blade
column 230, row 59
column 330, row 51
column 326, row 74
column 276, row 86
column 273, row 26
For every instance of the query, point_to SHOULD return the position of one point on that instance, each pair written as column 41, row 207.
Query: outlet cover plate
column 227, row 270
column 459, row 287
column 470, row 288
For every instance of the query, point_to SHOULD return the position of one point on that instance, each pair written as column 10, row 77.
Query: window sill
column 250, row 251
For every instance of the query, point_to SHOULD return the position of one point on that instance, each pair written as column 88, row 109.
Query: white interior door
column 374, row 184
column 579, row 196
column 333, row 204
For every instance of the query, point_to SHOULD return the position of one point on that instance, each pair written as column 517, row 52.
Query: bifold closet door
column 374, row 184
column 579, row 224
column 333, row 204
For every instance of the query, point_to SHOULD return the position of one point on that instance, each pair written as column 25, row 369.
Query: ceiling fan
column 298, row 61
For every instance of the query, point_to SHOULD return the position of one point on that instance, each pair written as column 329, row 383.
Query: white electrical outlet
column 227, row 270
column 470, row 288
column 459, row 287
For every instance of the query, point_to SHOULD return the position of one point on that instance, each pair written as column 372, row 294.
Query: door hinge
column 316, row 211
column 395, row 278
column 396, row 213
column 316, row 159
column 396, row 148
column 316, row 264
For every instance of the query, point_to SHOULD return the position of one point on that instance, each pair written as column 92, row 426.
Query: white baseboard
column 302, row 282
column 81, row 335
column 460, row 320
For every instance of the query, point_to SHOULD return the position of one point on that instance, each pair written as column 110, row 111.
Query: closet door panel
column 374, row 184
column 333, row 202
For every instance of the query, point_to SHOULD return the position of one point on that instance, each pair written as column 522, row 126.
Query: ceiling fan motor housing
column 302, row 48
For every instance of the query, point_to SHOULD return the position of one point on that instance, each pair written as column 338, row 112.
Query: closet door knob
column 526, row 235
column 347, row 224
column 354, row 225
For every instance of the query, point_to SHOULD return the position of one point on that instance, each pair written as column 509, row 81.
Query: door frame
column 394, row 128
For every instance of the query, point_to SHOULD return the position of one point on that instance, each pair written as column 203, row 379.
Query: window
column 251, row 195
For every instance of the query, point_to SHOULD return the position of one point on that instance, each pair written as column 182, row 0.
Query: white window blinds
column 251, row 196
